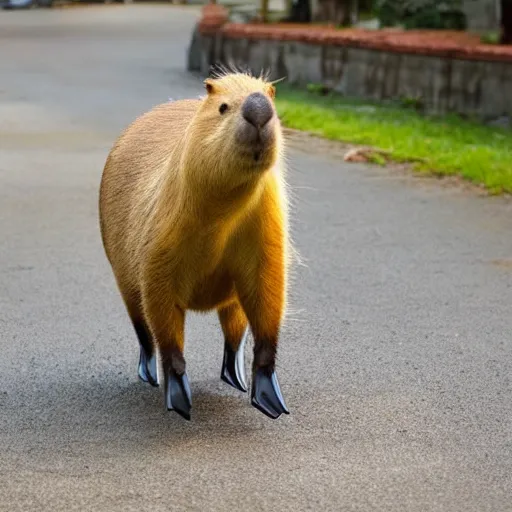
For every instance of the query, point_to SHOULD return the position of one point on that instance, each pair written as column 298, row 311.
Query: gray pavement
column 396, row 358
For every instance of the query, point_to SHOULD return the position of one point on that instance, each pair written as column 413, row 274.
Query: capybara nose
column 257, row 109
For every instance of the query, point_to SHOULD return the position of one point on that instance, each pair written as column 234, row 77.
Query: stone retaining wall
column 478, row 85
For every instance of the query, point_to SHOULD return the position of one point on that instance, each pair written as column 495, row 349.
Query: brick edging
column 445, row 44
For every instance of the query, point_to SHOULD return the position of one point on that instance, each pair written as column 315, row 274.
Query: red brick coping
column 451, row 44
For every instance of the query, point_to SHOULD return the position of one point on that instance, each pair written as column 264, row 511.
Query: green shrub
column 425, row 14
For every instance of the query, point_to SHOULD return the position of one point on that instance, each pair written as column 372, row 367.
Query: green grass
column 443, row 146
column 490, row 37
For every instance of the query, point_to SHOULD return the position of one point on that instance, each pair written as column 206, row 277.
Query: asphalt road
column 395, row 361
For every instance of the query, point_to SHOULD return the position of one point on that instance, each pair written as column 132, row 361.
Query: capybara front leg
column 168, row 327
column 235, row 328
column 266, row 393
column 263, row 302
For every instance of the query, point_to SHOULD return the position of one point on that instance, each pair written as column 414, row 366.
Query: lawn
column 438, row 145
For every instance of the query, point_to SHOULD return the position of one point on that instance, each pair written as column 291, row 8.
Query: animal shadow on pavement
column 101, row 411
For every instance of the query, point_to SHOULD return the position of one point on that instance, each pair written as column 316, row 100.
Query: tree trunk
column 506, row 21
column 264, row 10
column 337, row 12
column 299, row 12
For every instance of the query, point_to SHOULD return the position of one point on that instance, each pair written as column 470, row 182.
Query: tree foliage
column 428, row 14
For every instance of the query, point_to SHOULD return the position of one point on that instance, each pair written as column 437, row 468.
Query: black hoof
column 177, row 394
column 233, row 367
column 147, row 368
column 266, row 394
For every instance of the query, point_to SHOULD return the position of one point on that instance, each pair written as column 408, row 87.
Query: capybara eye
column 223, row 108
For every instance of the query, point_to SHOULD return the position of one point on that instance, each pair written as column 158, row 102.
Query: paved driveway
column 396, row 359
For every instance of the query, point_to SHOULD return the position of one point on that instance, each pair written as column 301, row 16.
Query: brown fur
column 189, row 222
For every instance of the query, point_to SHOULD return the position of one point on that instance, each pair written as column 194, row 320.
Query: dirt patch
column 503, row 263
column 310, row 143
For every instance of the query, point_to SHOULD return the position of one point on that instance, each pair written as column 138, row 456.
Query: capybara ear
column 271, row 91
column 210, row 88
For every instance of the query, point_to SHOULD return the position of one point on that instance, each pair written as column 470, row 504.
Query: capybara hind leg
column 147, row 357
column 235, row 328
column 263, row 302
column 168, row 329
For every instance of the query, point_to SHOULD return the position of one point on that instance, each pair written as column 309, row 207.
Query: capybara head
column 236, row 133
